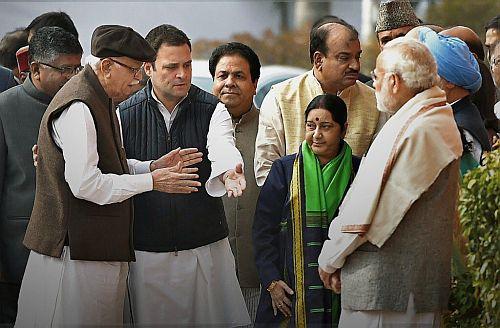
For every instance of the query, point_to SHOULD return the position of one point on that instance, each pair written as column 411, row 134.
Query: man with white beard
column 390, row 246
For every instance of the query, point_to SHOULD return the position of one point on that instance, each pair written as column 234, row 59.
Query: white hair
column 411, row 60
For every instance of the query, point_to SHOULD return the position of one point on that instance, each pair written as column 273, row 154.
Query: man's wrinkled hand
column 234, row 181
column 187, row 157
column 176, row 180
column 330, row 280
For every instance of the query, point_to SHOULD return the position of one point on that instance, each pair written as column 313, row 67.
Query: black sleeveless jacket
column 172, row 222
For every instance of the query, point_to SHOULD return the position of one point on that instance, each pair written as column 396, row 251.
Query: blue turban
column 455, row 62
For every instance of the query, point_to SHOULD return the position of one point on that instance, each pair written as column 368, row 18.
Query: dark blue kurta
column 273, row 241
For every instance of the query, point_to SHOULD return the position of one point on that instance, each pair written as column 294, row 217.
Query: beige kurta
column 282, row 123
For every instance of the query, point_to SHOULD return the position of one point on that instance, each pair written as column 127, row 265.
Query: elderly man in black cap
column 80, row 230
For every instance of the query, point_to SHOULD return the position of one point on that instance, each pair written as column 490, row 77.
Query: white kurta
column 197, row 286
column 193, row 287
column 60, row 291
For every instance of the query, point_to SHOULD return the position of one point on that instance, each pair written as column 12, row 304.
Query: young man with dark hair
column 184, row 262
column 334, row 52
column 235, row 69
column 56, row 56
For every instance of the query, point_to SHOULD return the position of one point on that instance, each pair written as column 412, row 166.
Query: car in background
column 269, row 76
column 201, row 75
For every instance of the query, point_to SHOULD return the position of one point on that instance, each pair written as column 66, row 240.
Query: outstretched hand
column 234, row 181
column 187, row 157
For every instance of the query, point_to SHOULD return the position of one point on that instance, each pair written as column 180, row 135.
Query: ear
column 318, row 58
column 106, row 67
column 148, row 69
column 344, row 131
column 395, row 83
column 35, row 70
column 255, row 86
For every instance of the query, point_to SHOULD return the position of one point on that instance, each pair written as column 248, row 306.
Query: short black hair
column 493, row 23
column 167, row 34
column 49, row 42
column 319, row 34
column 10, row 43
column 332, row 103
column 53, row 18
column 235, row 48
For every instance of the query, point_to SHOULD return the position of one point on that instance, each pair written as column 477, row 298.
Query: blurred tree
column 288, row 48
column 473, row 14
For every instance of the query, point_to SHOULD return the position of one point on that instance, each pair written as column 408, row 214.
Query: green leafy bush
column 476, row 290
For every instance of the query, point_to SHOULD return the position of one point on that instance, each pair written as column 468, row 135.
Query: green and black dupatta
column 324, row 188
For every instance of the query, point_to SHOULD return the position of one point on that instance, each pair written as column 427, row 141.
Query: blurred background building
column 277, row 30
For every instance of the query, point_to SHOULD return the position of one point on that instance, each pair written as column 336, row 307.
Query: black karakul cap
column 120, row 41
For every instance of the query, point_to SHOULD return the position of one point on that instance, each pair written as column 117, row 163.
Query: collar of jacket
column 31, row 90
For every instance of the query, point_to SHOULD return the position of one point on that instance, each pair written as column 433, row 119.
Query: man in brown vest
column 389, row 249
column 80, row 230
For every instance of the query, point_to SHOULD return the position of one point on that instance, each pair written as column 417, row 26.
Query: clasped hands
column 330, row 280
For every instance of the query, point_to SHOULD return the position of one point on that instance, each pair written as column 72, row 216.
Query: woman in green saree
column 296, row 205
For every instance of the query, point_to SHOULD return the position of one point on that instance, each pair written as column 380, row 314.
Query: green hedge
column 476, row 288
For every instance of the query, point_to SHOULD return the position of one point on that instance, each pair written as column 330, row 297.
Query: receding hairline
column 333, row 26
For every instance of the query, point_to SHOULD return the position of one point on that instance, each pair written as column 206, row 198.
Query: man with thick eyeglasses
column 80, row 230
column 65, row 70
column 21, row 110
column 133, row 70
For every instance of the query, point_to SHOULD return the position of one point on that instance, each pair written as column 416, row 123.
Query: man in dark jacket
column 55, row 58
column 184, row 263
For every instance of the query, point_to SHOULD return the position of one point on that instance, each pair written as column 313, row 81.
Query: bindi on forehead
column 317, row 119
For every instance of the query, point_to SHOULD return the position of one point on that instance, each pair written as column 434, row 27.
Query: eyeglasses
column 71, row 70
column 134, row 70
column 495, row 61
